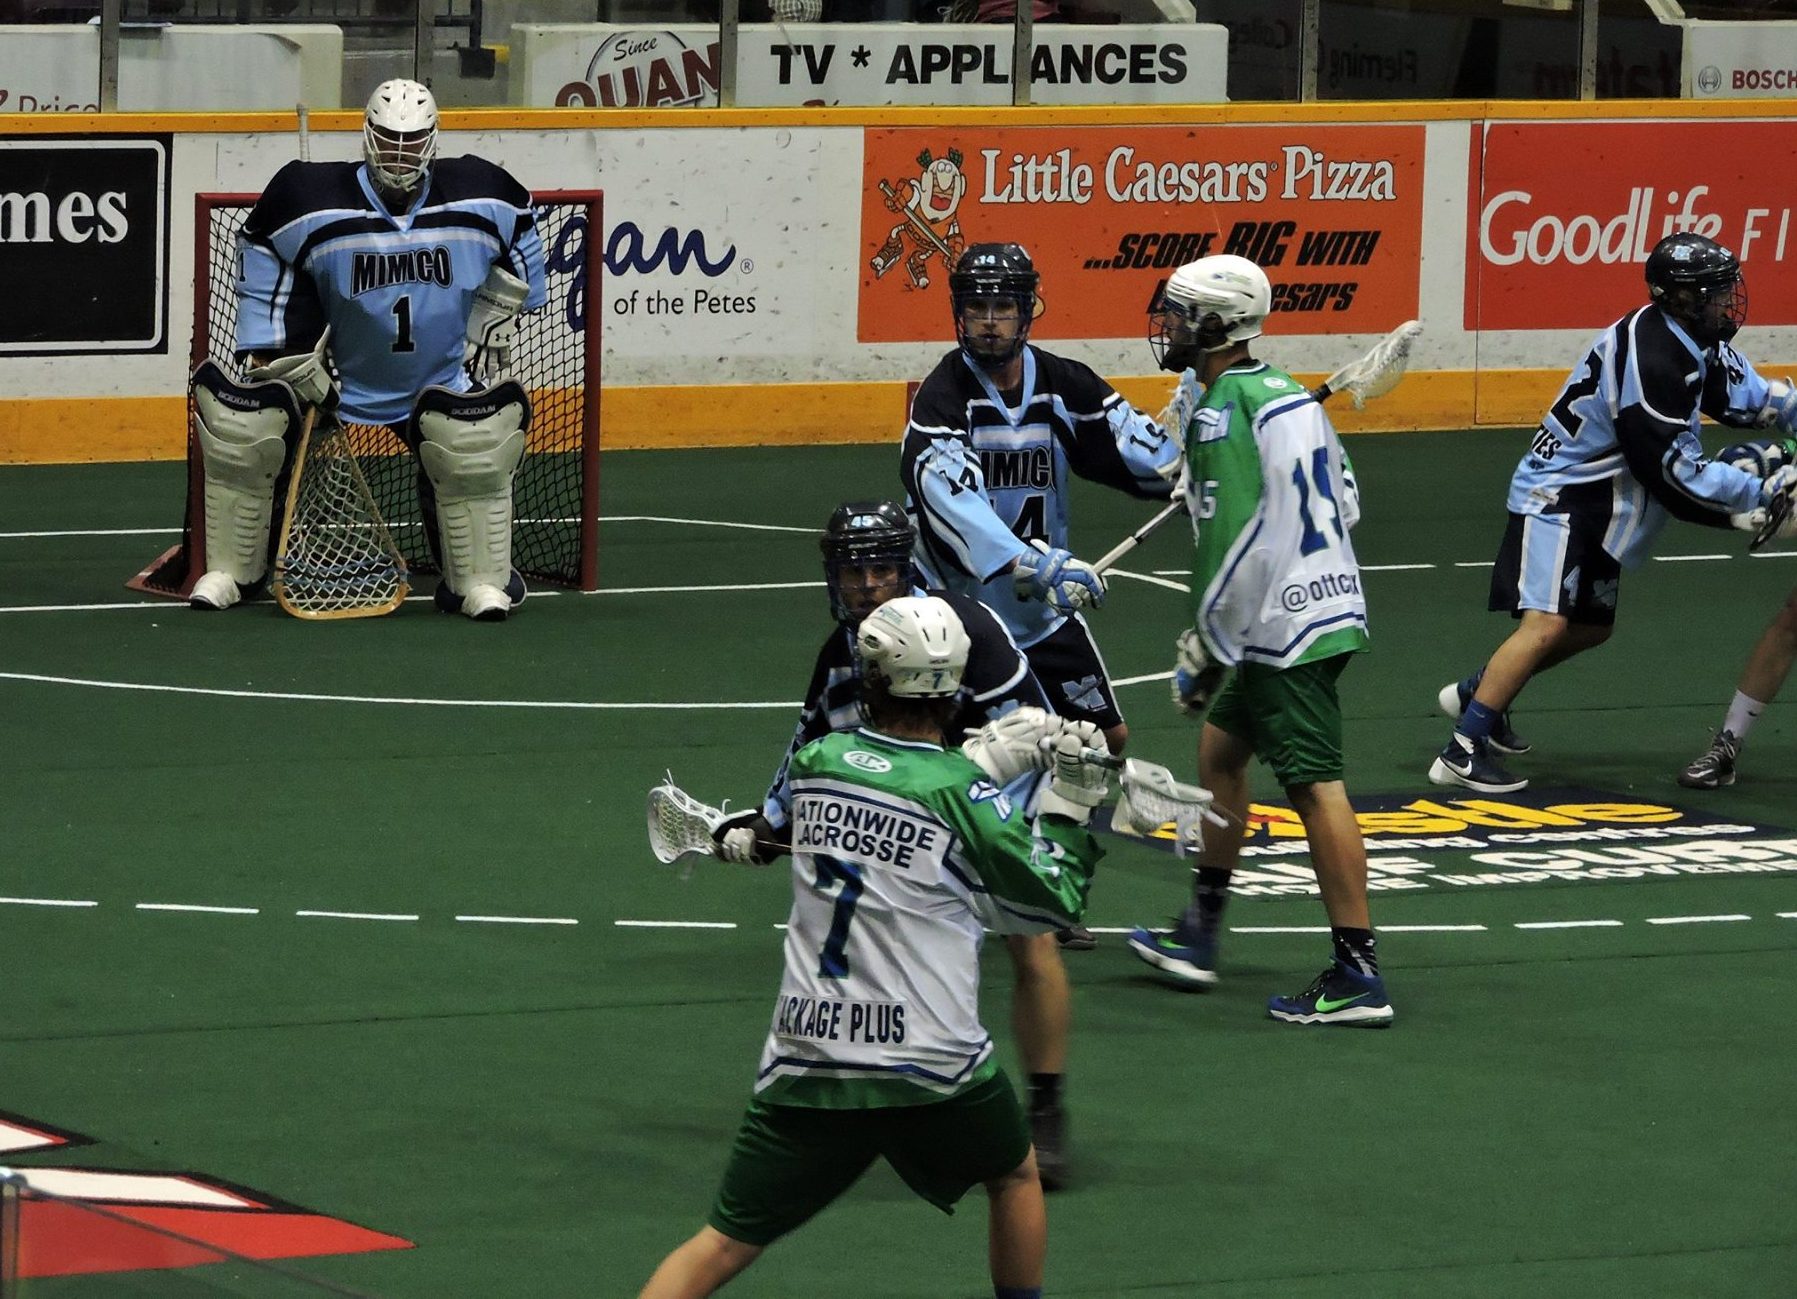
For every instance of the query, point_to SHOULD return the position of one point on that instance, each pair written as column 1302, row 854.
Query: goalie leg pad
column 243, row 431
column 471, row 445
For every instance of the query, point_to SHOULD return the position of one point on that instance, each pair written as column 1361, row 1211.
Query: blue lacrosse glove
column 1780, row 410
column 1053, row 575
column 1196, row 675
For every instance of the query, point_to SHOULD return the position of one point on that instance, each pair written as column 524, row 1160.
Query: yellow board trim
column 74, row 430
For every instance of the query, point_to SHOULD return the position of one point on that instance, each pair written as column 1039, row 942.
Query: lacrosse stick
column 1149, row 796
column 1372, row 374
column 680, row 826
column 1777, row 511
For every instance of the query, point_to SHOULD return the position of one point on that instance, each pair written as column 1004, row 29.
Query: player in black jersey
column 867, row 550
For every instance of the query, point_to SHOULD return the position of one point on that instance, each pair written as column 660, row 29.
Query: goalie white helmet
column 916, row 645
column 1206, row 306
column 399, row 135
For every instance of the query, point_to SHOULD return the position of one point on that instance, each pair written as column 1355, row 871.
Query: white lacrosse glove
column 1053, row 575
column 1012, row 745
column 492, row 325
column 1196, row 675
column 1780, row 410
column 308, row 374
column 1076, row 786
column 740, row 838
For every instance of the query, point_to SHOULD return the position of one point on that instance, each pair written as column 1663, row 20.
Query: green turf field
column 543, row 1108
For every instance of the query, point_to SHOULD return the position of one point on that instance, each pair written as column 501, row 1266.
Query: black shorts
column 1556, row 563
column 1071, row 670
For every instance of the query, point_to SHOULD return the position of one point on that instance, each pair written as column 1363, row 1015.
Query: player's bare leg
column 1187, row 953
column 1761, row 679
column 1017, row 1228
column 1541, row 641
column 1116, row 737
column 1041, row 1019
column 700, row 1266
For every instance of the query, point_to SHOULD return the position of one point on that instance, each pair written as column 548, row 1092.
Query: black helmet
column 1697, row 282
column 994, row 271
column 861, row 534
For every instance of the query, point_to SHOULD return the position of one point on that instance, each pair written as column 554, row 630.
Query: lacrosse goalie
column 385, row 292
column 1277, row 614
column 904, row 852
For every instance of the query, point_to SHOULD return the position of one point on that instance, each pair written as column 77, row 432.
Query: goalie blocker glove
column 309, row 374
column 493, row 325
column 1054, row 576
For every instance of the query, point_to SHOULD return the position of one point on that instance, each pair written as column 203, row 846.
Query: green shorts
column 791, row 1161
column 1291, row 716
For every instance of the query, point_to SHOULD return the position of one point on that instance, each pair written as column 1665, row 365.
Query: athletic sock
column 1476, row 722
column 1203, row 916
column 1016, row 1292
column 1357, row 949
column 1045, row 1091
column 1743, row 712
column 1469, row 686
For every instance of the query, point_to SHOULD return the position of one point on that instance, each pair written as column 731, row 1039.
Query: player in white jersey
column 1616, row 455
column 1278, row 610
column 996, row 432
column 904, row 853
column 867, row 561
column 1768, row 663
column 408, row 272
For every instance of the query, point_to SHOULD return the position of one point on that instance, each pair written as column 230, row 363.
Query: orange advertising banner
column 1562, row 216
column 1333, row 213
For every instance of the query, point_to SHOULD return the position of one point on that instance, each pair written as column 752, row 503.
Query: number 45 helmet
column 1206, row 306
column 1698, row 283
column 864, row 535
column 915, row 646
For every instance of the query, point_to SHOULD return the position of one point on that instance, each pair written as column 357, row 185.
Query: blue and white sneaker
column 1453, row 698
column 1189, row 961
column 1339, row 995
column 1471, row 765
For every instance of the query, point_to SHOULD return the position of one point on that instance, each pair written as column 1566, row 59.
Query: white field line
column 1569, row 924
column 354, row 915
column 518, row 920
column 189, row 906
column 1696, row 920
column 1279, row 929
column 46, row 902
column 1431, row 929
column 1786, row 915
column 675, row 924
column 1687, row 559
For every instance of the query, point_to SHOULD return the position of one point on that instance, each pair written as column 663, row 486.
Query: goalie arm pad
column 309, row 374
column 493, row 323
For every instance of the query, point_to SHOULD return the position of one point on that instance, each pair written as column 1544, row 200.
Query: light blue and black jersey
column 1620, row 447
column 396, row 288
column 996, row 680
column 985, row 476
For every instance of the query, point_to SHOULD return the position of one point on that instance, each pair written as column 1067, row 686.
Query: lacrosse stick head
column 1152, row 798
column 1777, row 511
column 680, row 826
column 1378, row 372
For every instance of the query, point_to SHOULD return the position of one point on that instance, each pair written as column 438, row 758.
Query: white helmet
column 1210, row 303
column 916, row 645
column 399, row 135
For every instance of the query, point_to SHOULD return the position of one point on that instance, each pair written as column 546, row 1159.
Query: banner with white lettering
column 597, row 65
column 1567, row 212
column 1334, row 214
column 1736, row 60
column 84, row 244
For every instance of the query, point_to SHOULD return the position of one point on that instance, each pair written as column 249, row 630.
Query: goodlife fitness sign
column 84, row 244
column 1562, row 216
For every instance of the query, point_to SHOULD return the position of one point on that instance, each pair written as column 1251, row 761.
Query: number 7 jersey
column 1274, row 578
column 902, row 854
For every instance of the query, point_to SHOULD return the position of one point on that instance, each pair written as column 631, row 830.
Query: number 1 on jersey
column 402, row 325
column 833, row 961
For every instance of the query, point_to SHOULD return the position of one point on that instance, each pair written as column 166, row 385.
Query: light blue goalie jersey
column 1619, row 448
column 396, row 289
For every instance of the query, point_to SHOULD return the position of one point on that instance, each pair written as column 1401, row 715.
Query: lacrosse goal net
column 556, row 358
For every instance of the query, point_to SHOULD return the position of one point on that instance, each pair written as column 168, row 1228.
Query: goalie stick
column 1372, row 374
column 335, row 558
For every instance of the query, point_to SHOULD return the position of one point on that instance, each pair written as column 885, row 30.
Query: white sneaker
column 215, row 590
column 486, row 604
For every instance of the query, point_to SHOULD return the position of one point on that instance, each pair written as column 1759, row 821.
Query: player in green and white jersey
column 903, row 853
column 1277, row 598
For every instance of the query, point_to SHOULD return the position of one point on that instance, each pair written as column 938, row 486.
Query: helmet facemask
column 399, row 137
column 867, row 559
column 992, row 291
column 1712, row 313
column 1180, row 334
